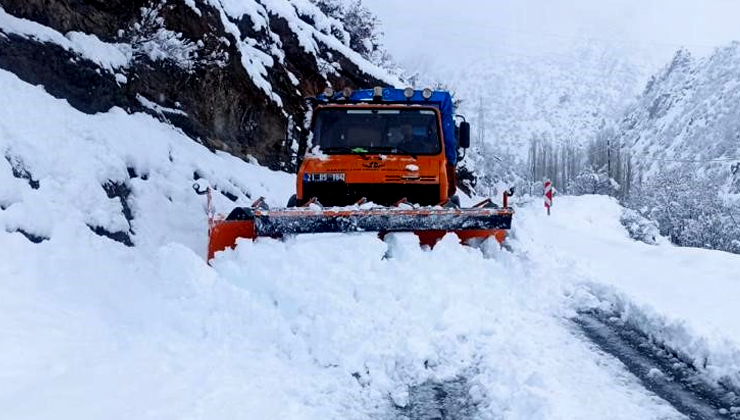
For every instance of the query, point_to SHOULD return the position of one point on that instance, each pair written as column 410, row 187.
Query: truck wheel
column 293, row 201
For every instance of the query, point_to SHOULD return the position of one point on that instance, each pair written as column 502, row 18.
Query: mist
column 651, row 32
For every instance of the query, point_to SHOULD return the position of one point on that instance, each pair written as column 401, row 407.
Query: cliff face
column 231, row 74
column 688, row 119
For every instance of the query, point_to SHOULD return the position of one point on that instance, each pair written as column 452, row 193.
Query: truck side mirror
column 464, row 135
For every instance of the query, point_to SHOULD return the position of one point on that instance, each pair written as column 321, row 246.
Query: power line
column 606, row 149
column 696, row 161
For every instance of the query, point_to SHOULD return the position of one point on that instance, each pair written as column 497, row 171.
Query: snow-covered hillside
column 313, row 327
column 512, row 100
column 128, row 176
column 677, row 150
column 231, row 74
column 688, row 118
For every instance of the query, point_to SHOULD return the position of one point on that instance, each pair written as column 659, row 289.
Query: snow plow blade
column 429, row 224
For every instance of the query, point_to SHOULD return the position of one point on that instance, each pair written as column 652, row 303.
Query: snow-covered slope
column 325, row 326
column 231, row 74
column 688, row 118
column 316, row 327
column 68, row 174
column 684, row 298
column 678, row 150
column 559, row 99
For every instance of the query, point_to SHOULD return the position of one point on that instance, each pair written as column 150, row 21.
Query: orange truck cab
column 383, row 145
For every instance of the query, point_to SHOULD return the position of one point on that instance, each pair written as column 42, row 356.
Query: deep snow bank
column 686, row 298
column 316, row 327
column 123, row 174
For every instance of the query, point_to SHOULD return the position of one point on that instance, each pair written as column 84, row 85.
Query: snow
column 236, row 9
column 159, row 109
column 257, row 59
column 312, row 327
column 72, row 155
column 685, row 298
column 107, row 55
column 191, row 4
column 321, row 326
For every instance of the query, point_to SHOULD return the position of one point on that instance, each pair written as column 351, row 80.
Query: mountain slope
column 682, row 146
column 231, row 74
column 688, row 118
column 513, row 100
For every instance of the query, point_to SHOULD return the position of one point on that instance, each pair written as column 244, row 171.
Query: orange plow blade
column 429, row 224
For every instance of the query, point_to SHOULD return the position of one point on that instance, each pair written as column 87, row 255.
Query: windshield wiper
column 364, row 151
column 336, row 149
column 392, row 149
column 342, row 149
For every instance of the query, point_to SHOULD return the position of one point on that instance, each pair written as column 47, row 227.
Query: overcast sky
column 453, row 28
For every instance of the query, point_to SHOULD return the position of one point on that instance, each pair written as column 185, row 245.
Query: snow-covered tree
column 688, row 209
column 362, row 26
column 331, row 8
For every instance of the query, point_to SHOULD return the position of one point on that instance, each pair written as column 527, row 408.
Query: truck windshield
column 392, row 131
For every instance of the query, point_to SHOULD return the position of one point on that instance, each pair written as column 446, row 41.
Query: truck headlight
column 378, row 93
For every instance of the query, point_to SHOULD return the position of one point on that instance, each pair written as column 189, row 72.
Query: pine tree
column 331, row 8
column 362, row 26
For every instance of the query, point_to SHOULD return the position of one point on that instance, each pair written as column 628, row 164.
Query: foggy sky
column 652, row 29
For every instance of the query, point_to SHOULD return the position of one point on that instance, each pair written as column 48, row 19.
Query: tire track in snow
column 448, row 400
column 659, row 370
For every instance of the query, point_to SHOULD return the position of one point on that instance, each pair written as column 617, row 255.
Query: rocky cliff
column 230, row 74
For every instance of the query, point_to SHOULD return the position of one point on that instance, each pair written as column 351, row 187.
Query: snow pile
column 118, row 173
column 685, row 298
column 316, row 327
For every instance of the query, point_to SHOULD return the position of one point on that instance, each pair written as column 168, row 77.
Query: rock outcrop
column 231, row 75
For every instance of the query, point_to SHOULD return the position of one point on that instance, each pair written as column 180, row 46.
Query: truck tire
column 293, row 201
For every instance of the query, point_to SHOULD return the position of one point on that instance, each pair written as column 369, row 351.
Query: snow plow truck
column 377, row 160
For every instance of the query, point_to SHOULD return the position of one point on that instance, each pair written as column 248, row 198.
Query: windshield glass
column 400, row 131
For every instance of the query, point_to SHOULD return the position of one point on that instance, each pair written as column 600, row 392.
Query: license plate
column 330, row 177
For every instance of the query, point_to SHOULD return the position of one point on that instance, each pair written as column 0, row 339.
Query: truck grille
column 399, row 178
column 342, row 194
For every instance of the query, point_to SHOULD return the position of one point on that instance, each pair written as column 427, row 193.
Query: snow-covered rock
column 688, row 117
column 237, row 71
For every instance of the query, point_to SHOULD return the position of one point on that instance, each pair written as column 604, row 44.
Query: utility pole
column 608, row 159
column 481, row 121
